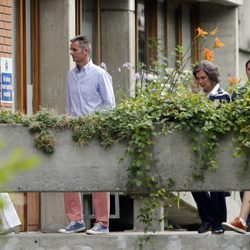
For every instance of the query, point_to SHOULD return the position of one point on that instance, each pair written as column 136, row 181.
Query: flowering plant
column 159, row 77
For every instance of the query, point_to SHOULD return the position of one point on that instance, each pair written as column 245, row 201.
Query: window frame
column 151, row 28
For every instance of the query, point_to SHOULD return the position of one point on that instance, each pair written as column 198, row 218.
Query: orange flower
column 208, row 54
column 214, row 32
column 218, row 43
column 233, row 80
column 201, row 32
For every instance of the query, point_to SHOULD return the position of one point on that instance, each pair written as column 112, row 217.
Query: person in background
column 248, row 217
column 240, row 224
column 89, row 90
column 240, row 91
column 211, row 205
column 9, row 220
column 248, row 69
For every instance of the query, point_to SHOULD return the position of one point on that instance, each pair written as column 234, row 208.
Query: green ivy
column 240, row 114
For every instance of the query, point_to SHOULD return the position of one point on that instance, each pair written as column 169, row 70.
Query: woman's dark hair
column 248, row 61
column 210, row 69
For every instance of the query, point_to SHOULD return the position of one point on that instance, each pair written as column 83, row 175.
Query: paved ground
column 126, row 240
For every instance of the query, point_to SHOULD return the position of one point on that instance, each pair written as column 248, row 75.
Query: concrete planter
column 74, row 168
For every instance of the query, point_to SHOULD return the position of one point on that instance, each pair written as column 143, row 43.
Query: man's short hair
column 83, row 41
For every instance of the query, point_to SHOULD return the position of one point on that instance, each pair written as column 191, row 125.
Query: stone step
column 188, row 240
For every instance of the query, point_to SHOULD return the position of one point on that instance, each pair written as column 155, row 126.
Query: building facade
column 36, row 34
column 6, row 28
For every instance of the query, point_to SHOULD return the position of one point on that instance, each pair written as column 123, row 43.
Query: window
column 27, row 43
column 169, row 24
column 141, row 30
column 146, row 31
column 174, row 35
column 89, row 19
column 27, row 71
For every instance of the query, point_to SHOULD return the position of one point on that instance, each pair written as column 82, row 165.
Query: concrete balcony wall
column 75, row 168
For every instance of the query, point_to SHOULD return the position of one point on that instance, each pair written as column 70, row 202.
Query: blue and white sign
column 7, row 91
column 6, row 80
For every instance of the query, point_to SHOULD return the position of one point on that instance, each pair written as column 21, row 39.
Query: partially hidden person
column 211, row 205
column 241, row 223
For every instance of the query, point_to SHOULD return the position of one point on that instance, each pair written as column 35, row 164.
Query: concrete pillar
column 244, row 38
column 57, row 28
column 118, row 42
column 52, row 212
column 225, row 18
column 157, row 224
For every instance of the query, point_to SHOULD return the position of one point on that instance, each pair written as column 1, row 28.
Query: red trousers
column 74, row 209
